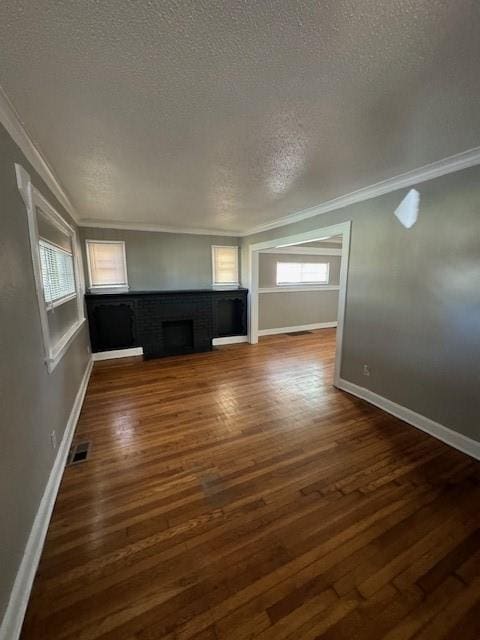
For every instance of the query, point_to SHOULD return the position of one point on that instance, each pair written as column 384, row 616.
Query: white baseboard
column 217, row 342
column 117, row 353
column 138, row 351
column 13, row 619
column 439, row 431
column 302, row 327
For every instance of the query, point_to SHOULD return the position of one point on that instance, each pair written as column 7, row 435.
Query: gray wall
column 277, row 310
column 158, row 260
column 295, row 308
column 413, row 299
column 32, row 402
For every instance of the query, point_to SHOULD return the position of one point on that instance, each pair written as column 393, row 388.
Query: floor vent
column 298, row 333
column 78, row 453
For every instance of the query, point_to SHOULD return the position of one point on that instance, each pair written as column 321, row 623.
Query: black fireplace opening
column 177, row 336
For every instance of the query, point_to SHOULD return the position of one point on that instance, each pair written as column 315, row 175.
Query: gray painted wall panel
column 295, row 309
column 158, row 260
column 413, row 299
column 32, row 402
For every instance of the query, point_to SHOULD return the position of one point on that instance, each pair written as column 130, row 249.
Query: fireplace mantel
column 165, row 322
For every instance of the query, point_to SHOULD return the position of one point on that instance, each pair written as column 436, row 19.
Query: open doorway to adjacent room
column 298, row 283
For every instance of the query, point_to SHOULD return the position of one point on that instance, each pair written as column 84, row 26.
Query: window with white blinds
column 291, row 273
column 225, row 265
column 57, row 270
column 107, row 266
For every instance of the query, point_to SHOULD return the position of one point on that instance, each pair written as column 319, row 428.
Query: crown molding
column 13, row 124
column 133, row 226
column 307, row 251
column 452, row 164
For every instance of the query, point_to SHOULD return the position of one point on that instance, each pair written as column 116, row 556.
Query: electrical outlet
column 366, row 370
column 88, row 348
column 53, row 439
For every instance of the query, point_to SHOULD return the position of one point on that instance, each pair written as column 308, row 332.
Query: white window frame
column 103, row 287
column 224, row 284
column 34, row 200
column 302, row 283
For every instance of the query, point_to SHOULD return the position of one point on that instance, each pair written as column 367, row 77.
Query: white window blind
column 106, row 263
column 225, row 265
column 57, row 272
column 302, row 273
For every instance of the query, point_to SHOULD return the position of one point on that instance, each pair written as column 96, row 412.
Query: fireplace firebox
column 178, row 336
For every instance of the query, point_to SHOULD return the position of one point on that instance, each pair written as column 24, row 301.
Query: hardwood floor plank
column 449, row 619
column 237, row 494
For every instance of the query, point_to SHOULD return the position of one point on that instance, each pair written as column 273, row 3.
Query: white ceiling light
column 407, row 210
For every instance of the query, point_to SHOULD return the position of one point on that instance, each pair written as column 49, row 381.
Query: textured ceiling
column 227, row 115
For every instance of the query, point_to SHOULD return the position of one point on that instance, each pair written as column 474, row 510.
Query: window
column 291, row 273
column 107, row 265
column 57, row 273
column 57, row 270
column 225, row 265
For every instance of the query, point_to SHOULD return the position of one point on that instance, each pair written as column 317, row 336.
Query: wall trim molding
column 156, row 228
column 314, row 251
column 117, row 353
column 437, row 169
column 301, row 327
column 15, row 127
column 217, row 342
column 13, row 619
column 438, row 431
column 12, row 122
column 300, row 289
column 138, row 351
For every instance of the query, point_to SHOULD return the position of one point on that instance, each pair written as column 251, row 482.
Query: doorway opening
column 327, row 275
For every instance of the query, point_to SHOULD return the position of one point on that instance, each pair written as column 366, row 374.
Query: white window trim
column 221, row 285
column 33, row 199
column 302, row 283
column 300, row 289
column 102, row 287
column 60, row 301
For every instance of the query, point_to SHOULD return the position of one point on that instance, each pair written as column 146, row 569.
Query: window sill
column 225, row 285
column 298, row 288
column 113, row 288
column 58, row 303
column 62, row 345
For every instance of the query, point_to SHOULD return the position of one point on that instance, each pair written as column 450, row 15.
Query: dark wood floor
column 236, row 495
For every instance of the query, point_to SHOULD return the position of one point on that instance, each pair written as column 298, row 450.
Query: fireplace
column 177, row 336
column 165, row 323
column 174, row 323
